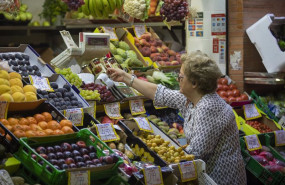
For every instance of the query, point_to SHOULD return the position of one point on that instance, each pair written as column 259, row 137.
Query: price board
column 3, row 109
column 113, row 110
column 153, row 176
column 111, row 31
column 137, row 107
column 143, row 124
column 279, row 137
column 106, row 132
column 40, row 83
column 252, row 142
column 251, row 111
column 187, row 171
column 157, row 107
column 76, row 116
column 79, row 177
column 139, row 30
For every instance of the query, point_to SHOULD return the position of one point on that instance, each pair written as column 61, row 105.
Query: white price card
column 143, row 124
column 76, row 116
column 106, row 132
column 137, row 107
column 153, row 176
column 251, row 112
column 252, row 142
column 40, row 83
column 281, row 122
column 3, row 109
column 157, row 107
column 188, row 171
column 113, row 110
column 279, row 137
column 111, row 31
column 79, row 177
column 139, row 30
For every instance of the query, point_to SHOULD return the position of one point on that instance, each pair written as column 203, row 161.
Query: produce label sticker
column 111, row 31
column 137, row 107
column 139, row 30
column 113, row 110
column 79, row 177
column 153, row 176
column 157, row 107
column 251, row 111
column 40, row 83
column 75, row 116
column 188, row 171
column 106, row 132
column 252, row 142
column 279, row 137
column 281, row 122
column 3, row 109
column 143, row 124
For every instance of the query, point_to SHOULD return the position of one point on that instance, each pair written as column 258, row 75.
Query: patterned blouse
column 211, row 133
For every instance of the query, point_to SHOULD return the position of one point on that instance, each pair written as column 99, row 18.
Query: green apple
column 8, row 16
column 29, row 15
column 46, row 23
column 80, row 15
column 23, row 7
column 23, row 16
column 17, row 17
column 36, row 23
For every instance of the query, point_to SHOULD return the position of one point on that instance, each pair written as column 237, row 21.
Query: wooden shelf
column 263, row 78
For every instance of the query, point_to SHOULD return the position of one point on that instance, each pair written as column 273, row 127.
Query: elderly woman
column 210, row 126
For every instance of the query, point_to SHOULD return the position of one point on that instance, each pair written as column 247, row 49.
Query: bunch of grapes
column 69, row 76
column 105, row 94
column 74, row 4
column 175, row 10
column 90, row 95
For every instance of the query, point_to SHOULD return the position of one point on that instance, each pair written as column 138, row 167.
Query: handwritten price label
column 106, row 132
column 152, row 176
column 113, row 110
column 111, row 31
column 281, row 122
column 143, row 124
column 252, row 142
column 187, row 170
column 157, row 107
column 75, row 116
column 279, row 137
column 79, row 178
column 3, row 109
column 40, row 83
column 137, row 107
column 139, row 30
column 251, row 112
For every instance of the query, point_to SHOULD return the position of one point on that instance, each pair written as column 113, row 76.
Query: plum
column 72, row 165
column 274, row 168
column 280, row 163
column 67, row 87
column 260, row 159
column 41, row 150
column 66, row 147
column 267, row 155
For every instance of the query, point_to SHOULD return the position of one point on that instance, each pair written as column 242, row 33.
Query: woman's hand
column 117, row 75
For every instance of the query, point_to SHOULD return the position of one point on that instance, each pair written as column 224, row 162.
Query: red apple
column 81, row 144
column 69, row 161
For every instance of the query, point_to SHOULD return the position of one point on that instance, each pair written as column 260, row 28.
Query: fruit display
column 167, row 79
column 137, row 8
column 74, row 4
column 105, row 94
column 261, row 127
column 71, row 77
column 230, row 93
column 275, row 103
column 21, row 17
column 152, row 47
column 62, row 97
column 38, row 125
column 174, row 10
column 90, row 95
column 13, row 90
column 144, row 155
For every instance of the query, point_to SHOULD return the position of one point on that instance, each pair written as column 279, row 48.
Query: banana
column 99, row 4
column 85, row 7
column 119, row 3
column 96, row 9
column 105, row 14
column 112, row 4
column 106, row 5
column 91, row 9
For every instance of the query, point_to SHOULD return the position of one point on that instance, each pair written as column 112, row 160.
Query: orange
column 48, row 132
column 30, row 133
column 41, row 133
column 39, row 117
column 35, row 127
column 2, row 131
column 65, row 122
column 43, row 124
column 8, row 137
column 26, row 127
column 4, row 121
column 57, row 132
column 23, row 121
column 53, row 125
column 17, row 127
column 9, row 127
column 67, row 130
column 47, row 116
column 13, row 121
column 32, row 120
column 20, row 133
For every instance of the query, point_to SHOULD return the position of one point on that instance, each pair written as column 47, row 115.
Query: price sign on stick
column 106, row 132
column 187, row 170
column 113, row 110
column 143, row 124
column 111, row 31
column 153, row 176
column 139, row 30
column 252, row 142
column 75, row 116
column 279, row 137
column 40, row 83
column 137, row 107
column 251, row 112
column 79, row 178
column 3, row 109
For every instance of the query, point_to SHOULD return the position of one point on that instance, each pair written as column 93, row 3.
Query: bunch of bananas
column 101, row 8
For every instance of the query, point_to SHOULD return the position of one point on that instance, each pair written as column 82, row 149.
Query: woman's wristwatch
column 132, row 80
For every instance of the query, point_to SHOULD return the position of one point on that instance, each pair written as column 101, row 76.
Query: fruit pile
column 22, row 16
column 37, row 126
column 156, row 50
column 69, row 76
column 74, row 4
column 261, row 127
column 105, row 94
column 230, row 93
column 175, row 10
column 90, row 95
column 12, row 89
column 20, row 62
column 61, row 98
column 74, row 155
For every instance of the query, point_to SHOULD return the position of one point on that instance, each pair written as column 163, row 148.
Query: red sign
column 215, row 45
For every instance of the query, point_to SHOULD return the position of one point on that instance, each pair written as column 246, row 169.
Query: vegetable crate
column 59, row 177
column 254, row 167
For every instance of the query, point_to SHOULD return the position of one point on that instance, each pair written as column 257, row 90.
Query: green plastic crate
column 254, row 167
column 55, row 176
column 114, row 180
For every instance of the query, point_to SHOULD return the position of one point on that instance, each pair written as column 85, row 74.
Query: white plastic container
column 266, row 44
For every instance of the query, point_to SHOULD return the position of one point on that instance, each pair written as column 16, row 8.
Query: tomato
column 244, row 97
column 230, row 93
column 232, row 86
column 239, row 99
column 224, row 81
column 219, row 87
column 236, row 92
column 223, row 94
column 220, row 81
column 225, row 87
column 232, row 99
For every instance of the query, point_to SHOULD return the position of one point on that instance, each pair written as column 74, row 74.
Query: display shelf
column 264, row 78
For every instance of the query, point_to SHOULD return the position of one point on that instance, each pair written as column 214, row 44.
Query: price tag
column 79, row 178
column 279, row 137
column 40, row 82
column 75, row 116
column 113, row 110
column 156, row 107
column 252, row 142
column 3, row 109
column 143, row 124
column 106, row 132
column 251, row 112
column 153, row 176
column 111, row 31
column 139, row 30
column 188, row 171
column 137, row 107
column 281, row 122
